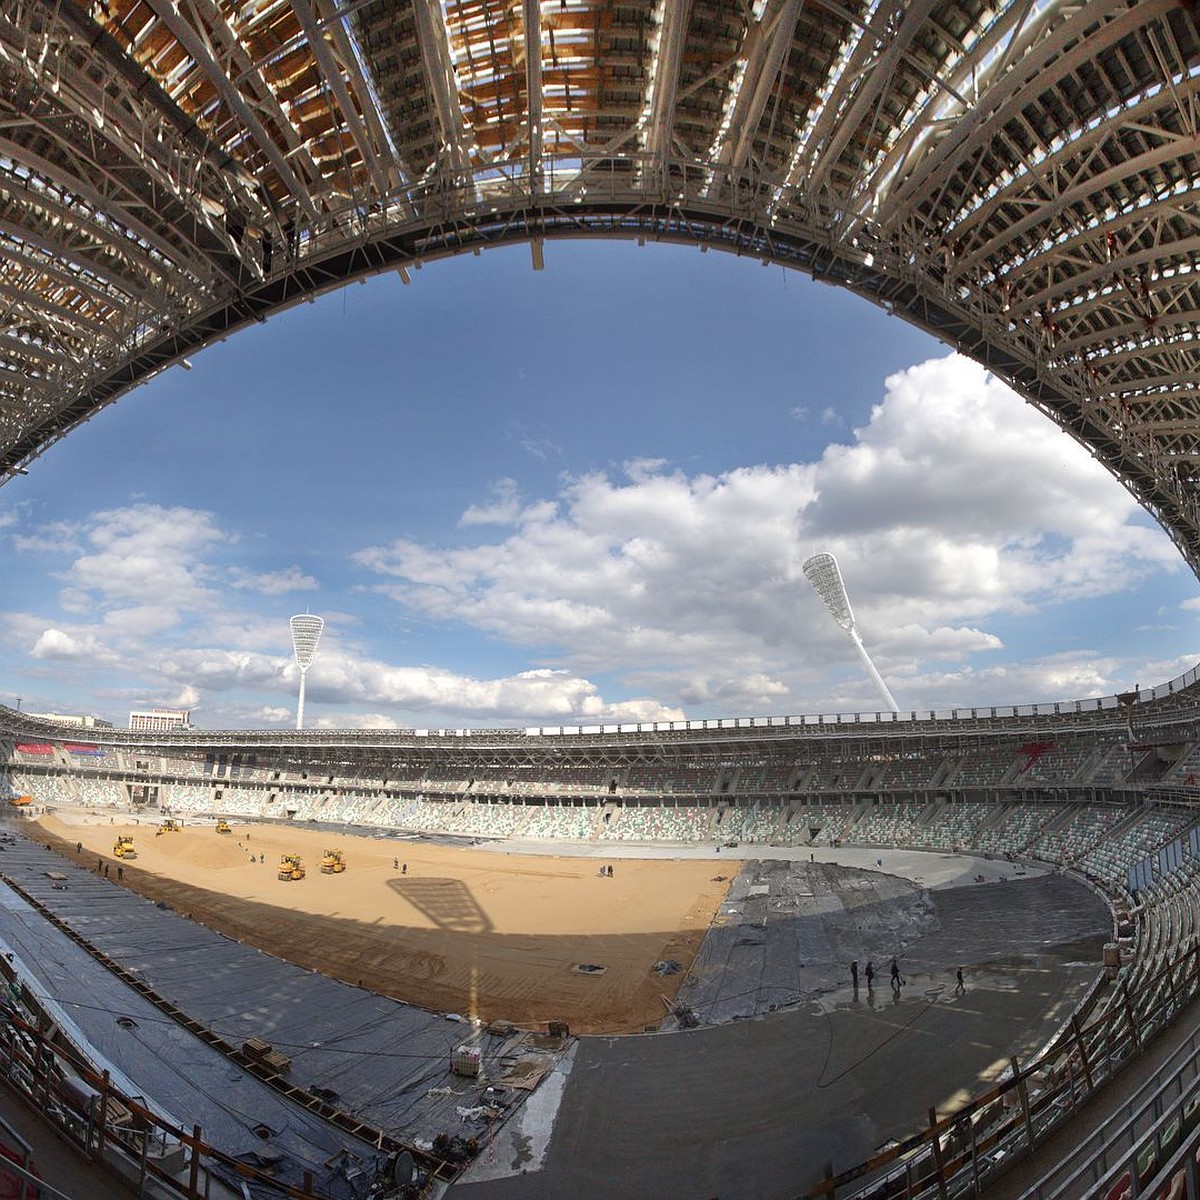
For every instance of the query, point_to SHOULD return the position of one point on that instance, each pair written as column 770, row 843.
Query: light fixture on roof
column 823, row 572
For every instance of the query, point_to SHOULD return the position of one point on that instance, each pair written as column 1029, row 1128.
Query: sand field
column 522, row 938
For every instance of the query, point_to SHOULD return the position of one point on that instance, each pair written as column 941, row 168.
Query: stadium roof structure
column 1017, row 177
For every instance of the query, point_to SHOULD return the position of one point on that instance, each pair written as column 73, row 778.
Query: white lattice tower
column 306, row 635
column 823, row 572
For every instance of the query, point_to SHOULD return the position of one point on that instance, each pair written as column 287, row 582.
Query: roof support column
column 533, row 93
column 443, row 88
column 664, row 85
column 766, row 48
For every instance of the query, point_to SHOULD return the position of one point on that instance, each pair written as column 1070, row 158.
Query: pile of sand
column 512, row 937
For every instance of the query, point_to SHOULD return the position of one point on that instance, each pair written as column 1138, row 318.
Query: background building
column 80, row 720
column 158, row 720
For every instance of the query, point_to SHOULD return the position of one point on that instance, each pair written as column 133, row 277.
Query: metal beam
column 381, row 175
column 766, row 47
column 1039, row 183
column 1105, row 272
column 55, row 259
column 532, row 13
column 133, row 245
column 664, row 81
column 1086, row 197
column 867, row 78
column 191, row 41
column 1063, row 49
column 962, row 83
column 390, row 161
column 443, row 87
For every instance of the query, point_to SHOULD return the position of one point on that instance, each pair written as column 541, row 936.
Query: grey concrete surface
column 757, row 1109
column 753, row 1108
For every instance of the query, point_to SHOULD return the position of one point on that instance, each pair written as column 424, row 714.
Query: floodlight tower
column 823, row 573
column 306, row 633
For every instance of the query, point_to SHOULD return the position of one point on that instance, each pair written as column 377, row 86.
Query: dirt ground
column 500, row 937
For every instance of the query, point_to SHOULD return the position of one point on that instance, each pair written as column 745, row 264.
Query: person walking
column 854, row 974
column 896, row 980
column 959, row 987
column 870, row 974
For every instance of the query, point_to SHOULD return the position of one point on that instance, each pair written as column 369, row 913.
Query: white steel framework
column 306, row 636
column 1018, row 177
column 823, row 572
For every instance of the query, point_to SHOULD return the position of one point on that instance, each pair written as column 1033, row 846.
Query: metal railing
column 119, row 1132
column 960, row 1154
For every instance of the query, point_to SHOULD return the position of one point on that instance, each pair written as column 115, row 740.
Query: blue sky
column 576, row 495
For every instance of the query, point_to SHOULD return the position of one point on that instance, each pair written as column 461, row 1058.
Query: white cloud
column 58, row 537
column 957, row 500
column 146, row 559
column 504, row 508
column 63, row 646
column 954, row 505
column 186, row 697
column 642, row 594
column 540, row 448
column 537, row 695
column 1073, row 675
column 754, row 692
column 942, row 643
column 273, row 583
column 659, row 566
column 214, row 669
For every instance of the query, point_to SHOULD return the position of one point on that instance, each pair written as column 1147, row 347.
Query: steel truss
column 1019, row 178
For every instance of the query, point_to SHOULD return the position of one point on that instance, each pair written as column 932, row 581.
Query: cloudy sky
column 576, row 495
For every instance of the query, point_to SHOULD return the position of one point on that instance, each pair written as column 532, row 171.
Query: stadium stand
column 1093, row 788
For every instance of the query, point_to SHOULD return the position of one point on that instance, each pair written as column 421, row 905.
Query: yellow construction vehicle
column 290, row 867
column 123, row 847
column 223, row 826
column 167, row 827
column 20, row 801
column 334, row 862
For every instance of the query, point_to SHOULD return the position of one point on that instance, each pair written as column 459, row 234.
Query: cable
column 824, row 1083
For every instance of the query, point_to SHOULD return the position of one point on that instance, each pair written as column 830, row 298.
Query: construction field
column 500, row 937
column 821, row 1077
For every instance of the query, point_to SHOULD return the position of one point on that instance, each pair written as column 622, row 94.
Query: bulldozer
column 333, row 863
column 290, row 867
column 223, row 826
column 123, row 847
column 167, row 827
